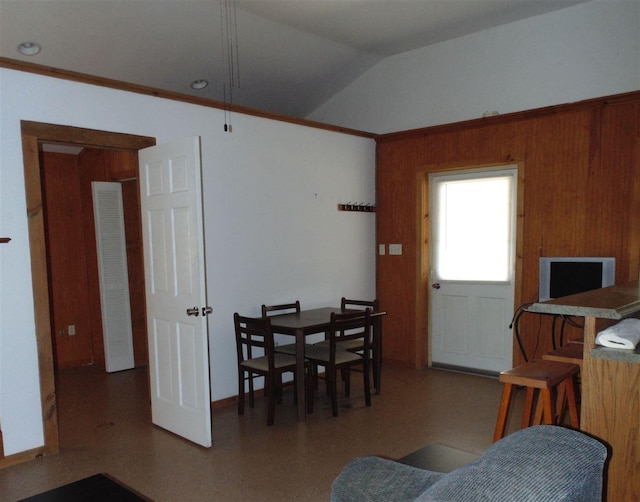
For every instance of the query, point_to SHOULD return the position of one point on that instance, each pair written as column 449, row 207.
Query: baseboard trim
column 462, row 369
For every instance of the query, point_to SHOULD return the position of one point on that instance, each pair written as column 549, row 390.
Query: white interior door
column 111, row 245
column 473, row 218
column 173, row 241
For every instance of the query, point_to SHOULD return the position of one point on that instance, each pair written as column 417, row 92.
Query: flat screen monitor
column 568, row 275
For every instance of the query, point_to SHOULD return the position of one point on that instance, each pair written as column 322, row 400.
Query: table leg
column 300, row 377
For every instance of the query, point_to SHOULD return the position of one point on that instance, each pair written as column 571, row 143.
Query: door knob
column 206, row 310
column 193, row 311
column 436, row 285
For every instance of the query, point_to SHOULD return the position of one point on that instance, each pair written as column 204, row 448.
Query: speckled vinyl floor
column 105, row 427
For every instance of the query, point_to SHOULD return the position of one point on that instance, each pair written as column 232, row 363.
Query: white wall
column 272, row 229
column 585, row 51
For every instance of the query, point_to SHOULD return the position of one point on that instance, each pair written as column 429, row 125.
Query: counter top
column 622, row 355
column 614, row 302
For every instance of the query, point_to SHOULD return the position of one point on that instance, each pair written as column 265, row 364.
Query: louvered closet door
column 114, row 278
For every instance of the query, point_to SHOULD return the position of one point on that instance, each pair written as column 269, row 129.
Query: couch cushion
column 543, row 463
column 380, row 479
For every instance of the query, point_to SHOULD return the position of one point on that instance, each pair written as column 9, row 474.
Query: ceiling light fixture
column 29, row 48
column 201, row 83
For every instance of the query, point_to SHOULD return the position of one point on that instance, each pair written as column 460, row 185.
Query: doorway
column 33, row 135
column 470, row 304
column 472, row 267
column 76, row 297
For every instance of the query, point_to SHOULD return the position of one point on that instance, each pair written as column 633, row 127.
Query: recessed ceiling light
column 201, row 83
column 29, row 48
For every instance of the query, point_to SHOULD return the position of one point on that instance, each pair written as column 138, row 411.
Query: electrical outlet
column 71, row 329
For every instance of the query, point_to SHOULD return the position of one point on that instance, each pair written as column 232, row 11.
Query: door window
column 473, row 226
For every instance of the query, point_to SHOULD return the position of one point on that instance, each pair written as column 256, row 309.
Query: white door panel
column 173, row 238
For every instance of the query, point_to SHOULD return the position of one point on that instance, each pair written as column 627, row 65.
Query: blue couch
column 544, row 463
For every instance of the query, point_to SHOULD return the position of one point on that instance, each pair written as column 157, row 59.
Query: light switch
column 382, row 250
column 72, row 329
column 395, row 249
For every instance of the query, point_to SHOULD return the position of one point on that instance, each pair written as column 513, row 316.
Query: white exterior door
column 473, row 217
column 173, row 241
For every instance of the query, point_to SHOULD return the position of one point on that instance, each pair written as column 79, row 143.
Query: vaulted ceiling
column 283, row 56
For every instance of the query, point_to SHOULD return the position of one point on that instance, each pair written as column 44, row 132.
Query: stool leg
column 573, row 407
column 537, row 419
column 561, row 401
column 528, row 407
column 548, row 406
column 503, row 412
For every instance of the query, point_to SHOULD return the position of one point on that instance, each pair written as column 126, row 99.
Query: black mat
column 98, row 488
column 438, row 458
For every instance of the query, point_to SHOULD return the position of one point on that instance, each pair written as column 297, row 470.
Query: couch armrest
column 379, row 479
column 543, row 463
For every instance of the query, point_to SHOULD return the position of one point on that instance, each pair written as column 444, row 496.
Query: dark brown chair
column 284, row 308
column 257, row 358
column 344, row 327
column 356, row 345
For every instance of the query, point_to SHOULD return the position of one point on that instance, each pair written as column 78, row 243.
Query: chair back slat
column 346, row 303
column 251, row 333
column 283, row 308
column 351, row 326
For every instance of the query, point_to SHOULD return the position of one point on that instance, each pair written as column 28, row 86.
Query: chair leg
column 251, row 394
column 503, row 412
column 269, row 387
column 278, row 389
column 240, row 392
column 346, row 377
column 295, row 388
column 310, row 388
column 376, row 373
column 367, row 384
column 330, row 375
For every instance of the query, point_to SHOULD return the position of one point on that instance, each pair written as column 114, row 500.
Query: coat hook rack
column 358, row 207
column 4, row 240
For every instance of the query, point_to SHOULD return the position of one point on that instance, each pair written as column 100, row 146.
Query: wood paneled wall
column 72, row 255
column 581, row 197
column 67, row 245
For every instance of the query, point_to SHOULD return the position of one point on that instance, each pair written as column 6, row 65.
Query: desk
column 308, row 322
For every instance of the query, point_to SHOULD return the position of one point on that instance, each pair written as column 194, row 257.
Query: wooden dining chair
column 356, row 345
column 257, row 358
column 344, row 327
column 284, row 308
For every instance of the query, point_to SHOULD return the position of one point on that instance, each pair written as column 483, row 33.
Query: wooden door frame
column 34, row 134
column 423, row 277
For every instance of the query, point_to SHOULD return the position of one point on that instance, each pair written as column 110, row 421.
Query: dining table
column 309, row 322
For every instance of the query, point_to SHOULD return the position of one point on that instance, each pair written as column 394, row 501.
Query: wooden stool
column 546, row 376
column 571, row 352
